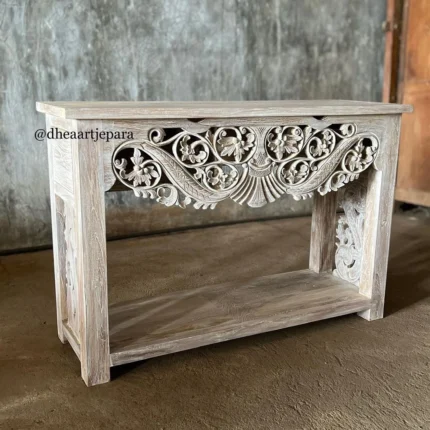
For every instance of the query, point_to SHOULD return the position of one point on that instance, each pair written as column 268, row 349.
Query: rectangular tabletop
column 216, row 109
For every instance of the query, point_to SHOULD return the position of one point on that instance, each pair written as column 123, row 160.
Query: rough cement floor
column 344, row 373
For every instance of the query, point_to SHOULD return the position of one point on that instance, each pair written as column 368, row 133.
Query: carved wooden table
column 198, row 154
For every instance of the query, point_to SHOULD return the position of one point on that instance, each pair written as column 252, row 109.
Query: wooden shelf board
column 178, row 321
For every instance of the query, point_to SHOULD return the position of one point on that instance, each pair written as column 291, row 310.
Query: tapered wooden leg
column 89, row 203
column 323, row 231
column 377, row 225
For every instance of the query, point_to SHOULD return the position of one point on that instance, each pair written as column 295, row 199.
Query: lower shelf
column 146, row 328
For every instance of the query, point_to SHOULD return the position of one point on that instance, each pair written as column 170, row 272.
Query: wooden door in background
column 413, row 178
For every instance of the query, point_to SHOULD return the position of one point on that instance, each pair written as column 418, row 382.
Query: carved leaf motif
column 141, row 173
column 359, row 157
column 319, row 149
column 284, row 141
column 252, row 165
column 234, row 146
column 189, row 153
column 297, row 173
column 221, row 180
column 137, row 159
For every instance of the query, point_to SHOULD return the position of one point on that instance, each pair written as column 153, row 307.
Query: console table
column 196, row 154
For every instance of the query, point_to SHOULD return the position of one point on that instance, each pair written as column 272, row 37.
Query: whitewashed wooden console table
column 198, row 154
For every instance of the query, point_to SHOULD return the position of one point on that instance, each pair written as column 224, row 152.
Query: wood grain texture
column 215, row 109
column 58, row 241
column 72, row 339
column 64, row 232
column 413, row 196
column 393, row 31
column 62, row 154
column 62, row 172
column 91, row 257
column 178, row 321
column 377, row 223
column 323, row 233
column 413, row 179
column 70, row 232
column 414, row 174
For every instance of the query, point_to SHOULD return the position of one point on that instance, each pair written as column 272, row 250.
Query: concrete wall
column 167, row 50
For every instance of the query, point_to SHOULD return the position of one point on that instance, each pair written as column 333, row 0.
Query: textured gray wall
column 167, row 50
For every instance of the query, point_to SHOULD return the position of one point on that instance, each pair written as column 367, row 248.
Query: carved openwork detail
column 349, row 232
column 252, row 165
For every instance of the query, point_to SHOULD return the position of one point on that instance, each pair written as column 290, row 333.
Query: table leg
column 89, row 201
column 377, row 222
column 79, row 244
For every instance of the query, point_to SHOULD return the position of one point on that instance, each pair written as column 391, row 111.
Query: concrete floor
column 344, row 373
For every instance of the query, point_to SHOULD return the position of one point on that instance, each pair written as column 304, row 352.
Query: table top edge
column 216, row 109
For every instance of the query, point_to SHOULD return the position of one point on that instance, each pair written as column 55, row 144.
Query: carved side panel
column 349, row 232
column 252, row 165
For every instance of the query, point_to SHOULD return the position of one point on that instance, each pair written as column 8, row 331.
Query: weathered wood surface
column 70, row 336
column 215, row 109
column 188, row 319
column 414, row 196
column 413, row 179
column 78, row 211
column 91, row 267
column 58, row 242
column 393, row 35
column 377, row 224
column 359, row 152
column 363, row 233
column 323, row 232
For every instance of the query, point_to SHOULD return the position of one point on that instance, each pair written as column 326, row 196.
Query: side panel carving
column 349, row 232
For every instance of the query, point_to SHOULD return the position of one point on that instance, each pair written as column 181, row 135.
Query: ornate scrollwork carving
column 251, row 165
column 349, row 233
